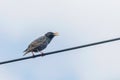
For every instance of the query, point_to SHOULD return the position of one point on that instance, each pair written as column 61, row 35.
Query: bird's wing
column 36, row 43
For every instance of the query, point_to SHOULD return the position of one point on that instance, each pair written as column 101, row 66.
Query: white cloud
column 98, row 62
column 78, row 22
column 6, row 74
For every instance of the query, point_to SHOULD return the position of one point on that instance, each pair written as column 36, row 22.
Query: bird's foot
column 42, row 54
column 33, row 54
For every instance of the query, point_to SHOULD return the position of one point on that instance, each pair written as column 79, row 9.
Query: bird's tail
column 26, row 51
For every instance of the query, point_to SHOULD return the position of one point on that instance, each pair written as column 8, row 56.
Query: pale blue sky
column 78, row 22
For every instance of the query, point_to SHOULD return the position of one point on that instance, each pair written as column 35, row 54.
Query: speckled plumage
column 40, row 43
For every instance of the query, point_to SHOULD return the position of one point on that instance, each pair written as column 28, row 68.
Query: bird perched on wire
column 40, row 43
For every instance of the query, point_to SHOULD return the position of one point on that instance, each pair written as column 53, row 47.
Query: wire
column 58, row 51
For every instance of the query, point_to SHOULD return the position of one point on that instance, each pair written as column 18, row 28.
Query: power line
column 58, row 51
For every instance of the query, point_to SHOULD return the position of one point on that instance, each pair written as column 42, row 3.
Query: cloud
column 6, row 74
column 78, row 22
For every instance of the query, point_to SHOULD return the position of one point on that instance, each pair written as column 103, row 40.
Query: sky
column 78, row 22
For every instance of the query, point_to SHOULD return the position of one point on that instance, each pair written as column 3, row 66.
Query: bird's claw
column 42, row 54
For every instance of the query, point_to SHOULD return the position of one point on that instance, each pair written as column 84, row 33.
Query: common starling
column 40, row 43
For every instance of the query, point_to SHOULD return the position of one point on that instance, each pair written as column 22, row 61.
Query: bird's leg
column 33, row 54
column 42, row 54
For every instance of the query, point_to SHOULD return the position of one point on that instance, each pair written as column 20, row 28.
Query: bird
column 40, row 43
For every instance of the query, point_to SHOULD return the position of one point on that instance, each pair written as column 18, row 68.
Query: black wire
column 54, row 52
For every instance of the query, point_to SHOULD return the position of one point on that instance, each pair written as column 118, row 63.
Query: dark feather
column 40, row 43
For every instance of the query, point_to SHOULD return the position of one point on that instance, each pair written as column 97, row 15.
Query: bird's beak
column 56, row 34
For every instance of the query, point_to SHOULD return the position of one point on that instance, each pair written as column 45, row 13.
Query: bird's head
column 51, row 34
